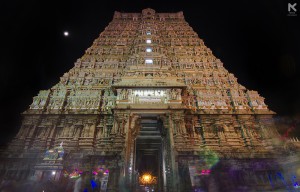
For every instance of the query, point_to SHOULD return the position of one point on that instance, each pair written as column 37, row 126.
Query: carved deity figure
column 124, row 94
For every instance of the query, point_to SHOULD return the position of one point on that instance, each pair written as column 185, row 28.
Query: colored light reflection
column 205, row 172
column 209, row 158
column 75, row 174
column 95, row 173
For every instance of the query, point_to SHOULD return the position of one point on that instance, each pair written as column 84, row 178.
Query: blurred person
column 10, row 185
column 80, row 183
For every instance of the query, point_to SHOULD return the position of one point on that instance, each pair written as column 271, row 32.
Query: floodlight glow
column 149, row 61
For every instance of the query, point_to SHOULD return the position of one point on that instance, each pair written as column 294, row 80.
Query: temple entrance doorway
column 149, row 160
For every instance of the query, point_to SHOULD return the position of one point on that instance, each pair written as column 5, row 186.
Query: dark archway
column 148, row 156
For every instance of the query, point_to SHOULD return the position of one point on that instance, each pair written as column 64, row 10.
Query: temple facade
column 147, row 96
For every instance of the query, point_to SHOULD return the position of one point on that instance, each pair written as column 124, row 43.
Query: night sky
column 256, row 40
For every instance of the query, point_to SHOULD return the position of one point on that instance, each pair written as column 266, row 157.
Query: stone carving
column 256, row 102
column 56, row 153
column 83, row 99
column 39, row 102
column 124, row 94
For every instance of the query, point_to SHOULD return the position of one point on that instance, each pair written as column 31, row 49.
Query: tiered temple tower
column 148, row 95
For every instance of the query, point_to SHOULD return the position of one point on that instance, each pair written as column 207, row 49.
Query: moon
column 66, row 33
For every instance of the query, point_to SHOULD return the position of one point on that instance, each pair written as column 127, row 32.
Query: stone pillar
column 87, row 136
column 170, row 146
column 131, row 133
column 52, row 129
column 29, row 138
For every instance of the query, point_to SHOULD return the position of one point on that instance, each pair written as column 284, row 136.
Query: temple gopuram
column 148, row 97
